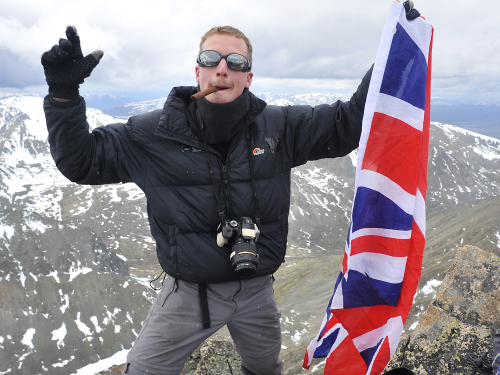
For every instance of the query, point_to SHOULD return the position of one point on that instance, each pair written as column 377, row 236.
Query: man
column 201, row 165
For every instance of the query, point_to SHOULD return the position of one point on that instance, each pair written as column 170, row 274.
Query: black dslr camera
column 241, row 236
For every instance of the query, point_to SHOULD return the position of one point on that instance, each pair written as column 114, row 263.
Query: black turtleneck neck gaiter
column 223, row 120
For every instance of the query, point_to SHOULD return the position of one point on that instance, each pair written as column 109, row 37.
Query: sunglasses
column 234, row 61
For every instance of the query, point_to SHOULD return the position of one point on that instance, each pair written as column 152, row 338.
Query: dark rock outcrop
column 462, row 318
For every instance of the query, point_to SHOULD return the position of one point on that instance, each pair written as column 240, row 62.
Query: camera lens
column 244, row 259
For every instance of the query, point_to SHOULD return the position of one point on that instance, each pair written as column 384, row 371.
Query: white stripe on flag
column 388, row 188
column 419, row 212
column 314, row 343
column 397, row 108
column 392, row 329
column 338, row 299
column 328, row 333
column 391, row 233
column 420, row 32
column 379, row 266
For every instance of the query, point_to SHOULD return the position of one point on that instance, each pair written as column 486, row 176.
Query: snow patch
column 354, row 157
column 104, row 364
column 78, row 270
column 413, row 326
column 66, row 304
column 28, row 337
column 64, row 363
column 82, row 326
column 431, row 286
column 6, row 231
column 59, row 335
column 94, row 320
column 54, row 275
column 121, row 257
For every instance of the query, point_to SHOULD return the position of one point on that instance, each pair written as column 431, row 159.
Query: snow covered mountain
column 130, row 109
column 65, row 296
column 73, row 258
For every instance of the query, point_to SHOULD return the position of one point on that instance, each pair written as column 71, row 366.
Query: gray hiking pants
column 173, row 328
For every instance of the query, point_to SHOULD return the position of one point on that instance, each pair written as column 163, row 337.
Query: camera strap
column 205, row 313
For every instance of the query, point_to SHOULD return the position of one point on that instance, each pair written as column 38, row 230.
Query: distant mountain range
column 74, row 259
column 477, row 116
column 482, row 118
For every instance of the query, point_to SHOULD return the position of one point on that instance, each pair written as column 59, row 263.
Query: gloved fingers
column 97, row 55
column 56, row 55
column 72, row 73
column 72, row 35
column 411, row 12
column 408, row 4
column 83, row 67
column 65, row 45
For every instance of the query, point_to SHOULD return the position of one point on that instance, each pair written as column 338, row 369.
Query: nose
column 222, row 68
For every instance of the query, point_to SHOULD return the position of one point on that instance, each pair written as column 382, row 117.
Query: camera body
column 241, row 236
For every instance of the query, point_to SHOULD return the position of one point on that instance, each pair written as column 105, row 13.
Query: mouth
column 223, row 87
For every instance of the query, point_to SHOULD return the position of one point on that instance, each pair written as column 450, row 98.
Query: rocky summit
column 462, row 318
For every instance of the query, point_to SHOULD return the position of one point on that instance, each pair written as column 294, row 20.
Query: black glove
column 66, row 68
column 411, row 13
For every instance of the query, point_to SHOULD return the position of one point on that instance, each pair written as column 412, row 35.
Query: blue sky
column 299, row 46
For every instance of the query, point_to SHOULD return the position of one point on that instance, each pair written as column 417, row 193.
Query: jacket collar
column 173, row 120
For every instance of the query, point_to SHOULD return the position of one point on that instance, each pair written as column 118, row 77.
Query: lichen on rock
column 462, row 318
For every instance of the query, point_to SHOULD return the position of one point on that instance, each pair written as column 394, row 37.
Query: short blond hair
column 229, row 30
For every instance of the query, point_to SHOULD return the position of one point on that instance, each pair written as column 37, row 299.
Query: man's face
column 232, row 80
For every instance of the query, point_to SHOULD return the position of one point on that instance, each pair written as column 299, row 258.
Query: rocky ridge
column 462, row 318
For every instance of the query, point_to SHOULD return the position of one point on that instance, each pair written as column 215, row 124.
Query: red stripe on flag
column 412, row 272
column 395, row 247
column 393, row 150
column 382, row 359
column 306, row 364
column 345, row 360
column 330, row 324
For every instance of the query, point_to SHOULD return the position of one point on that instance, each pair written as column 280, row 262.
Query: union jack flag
column 383, row 255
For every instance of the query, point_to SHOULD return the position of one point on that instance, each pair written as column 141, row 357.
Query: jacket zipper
column 225, row 181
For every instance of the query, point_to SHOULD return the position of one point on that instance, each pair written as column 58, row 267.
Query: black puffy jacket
column 165, row 157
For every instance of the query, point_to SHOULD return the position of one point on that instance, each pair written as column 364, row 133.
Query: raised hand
column 65, row 67
column 411, row 12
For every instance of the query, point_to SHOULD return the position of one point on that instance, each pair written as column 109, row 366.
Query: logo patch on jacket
column 274, row 144
column 258, row 151
column 186, row 148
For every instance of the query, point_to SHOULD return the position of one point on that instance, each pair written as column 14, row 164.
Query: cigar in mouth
column 204, row 93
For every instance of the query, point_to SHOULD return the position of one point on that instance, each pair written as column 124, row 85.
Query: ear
column 197, row 73
column 249, row 79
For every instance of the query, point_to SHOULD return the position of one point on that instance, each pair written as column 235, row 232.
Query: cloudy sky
column 299, row 46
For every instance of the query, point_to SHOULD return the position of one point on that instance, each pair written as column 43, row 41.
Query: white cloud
column 152, row 45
